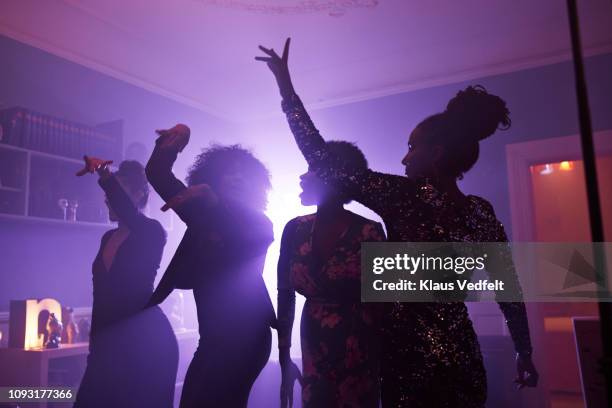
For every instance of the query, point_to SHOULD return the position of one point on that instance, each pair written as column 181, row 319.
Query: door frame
column 519, row 158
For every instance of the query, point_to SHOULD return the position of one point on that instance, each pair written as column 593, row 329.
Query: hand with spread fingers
column 527, row 375
column 279, row 67
column 290, row 373
column 197, row 192
column 175, row 138
column 93, row 164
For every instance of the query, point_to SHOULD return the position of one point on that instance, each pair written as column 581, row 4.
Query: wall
column 34, row 258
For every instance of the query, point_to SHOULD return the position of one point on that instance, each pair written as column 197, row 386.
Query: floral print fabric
column 339, row 334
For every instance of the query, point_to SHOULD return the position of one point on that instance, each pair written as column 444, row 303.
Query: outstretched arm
column 372, row 189
column 187, row 202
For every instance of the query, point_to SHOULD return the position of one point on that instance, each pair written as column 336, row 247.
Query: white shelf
column 28, row 218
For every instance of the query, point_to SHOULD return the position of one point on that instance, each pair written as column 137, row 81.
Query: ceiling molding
column 456, row 77
column 465, row 75
column 333, row 8
column 103, row 68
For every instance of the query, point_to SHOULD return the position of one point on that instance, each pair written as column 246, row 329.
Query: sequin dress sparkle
column 431, row 355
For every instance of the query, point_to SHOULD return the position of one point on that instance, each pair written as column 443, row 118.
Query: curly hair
column 132, row 176
column 218, row 160
column 471, row 116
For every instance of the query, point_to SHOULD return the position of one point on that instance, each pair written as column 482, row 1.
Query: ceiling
column 200, row 52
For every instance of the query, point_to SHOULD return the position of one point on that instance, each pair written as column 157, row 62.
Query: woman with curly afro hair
column 221, row 257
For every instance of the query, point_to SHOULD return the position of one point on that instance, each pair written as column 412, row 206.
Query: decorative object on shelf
column 84, row 326
column 71, row 331
column 72, row 210
column 23, row 321
column 63, row 205
column 333, row 8
column 54, row 332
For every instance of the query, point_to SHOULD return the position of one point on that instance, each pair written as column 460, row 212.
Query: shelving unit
column 39, row 156
column 33, row 183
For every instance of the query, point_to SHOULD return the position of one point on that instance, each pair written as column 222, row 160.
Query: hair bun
column 478, row 112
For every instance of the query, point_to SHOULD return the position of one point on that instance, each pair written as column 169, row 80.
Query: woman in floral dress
column 320, row 259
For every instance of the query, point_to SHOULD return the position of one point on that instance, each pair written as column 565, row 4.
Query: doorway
column 549, row 204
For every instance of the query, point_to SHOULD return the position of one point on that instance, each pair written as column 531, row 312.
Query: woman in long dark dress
column 320, row 258
column 221, row 257
column 133, row 353
column 431, row 354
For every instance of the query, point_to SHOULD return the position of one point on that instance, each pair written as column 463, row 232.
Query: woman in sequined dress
column 320, row 258
column 431, row 353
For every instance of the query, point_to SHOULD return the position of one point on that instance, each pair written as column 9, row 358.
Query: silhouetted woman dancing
column 133, row 354
column 431, row 354
column 320, row 257
column 221, row 257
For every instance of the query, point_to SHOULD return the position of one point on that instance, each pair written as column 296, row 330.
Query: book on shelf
column 36, row 131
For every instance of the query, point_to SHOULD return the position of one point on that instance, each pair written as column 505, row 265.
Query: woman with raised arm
column 133, row 354
column 431, row 354
column 320, row 258
column 221, row 257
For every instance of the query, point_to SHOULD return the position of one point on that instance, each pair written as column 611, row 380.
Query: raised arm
column 159, row 172
column 372, row 189
column 187, row 202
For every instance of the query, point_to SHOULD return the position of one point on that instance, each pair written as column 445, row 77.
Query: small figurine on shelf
column 54, row 332
column 71, row 331
column 84, row 327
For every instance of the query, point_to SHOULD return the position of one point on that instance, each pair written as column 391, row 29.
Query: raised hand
column 93, row 164
column 527, row 375
column 290, row 372
column 279, row 67
column 175, row 138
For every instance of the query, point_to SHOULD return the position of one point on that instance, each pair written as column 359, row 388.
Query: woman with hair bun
column 431, row 354
column 133, row 353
